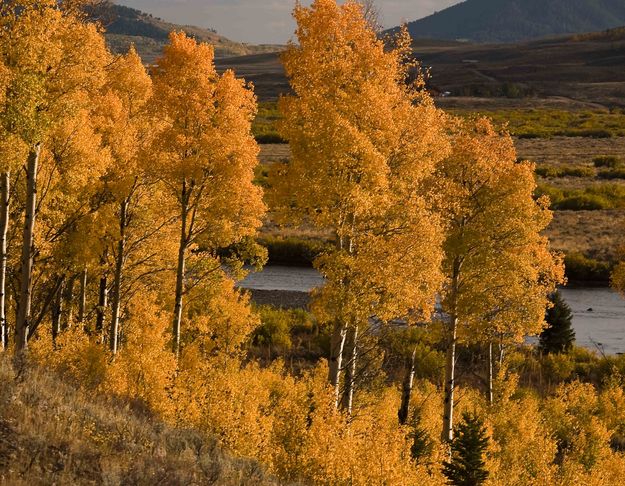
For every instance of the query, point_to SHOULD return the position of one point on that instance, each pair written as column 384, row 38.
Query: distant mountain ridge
column 125, row 26
column 517, row 20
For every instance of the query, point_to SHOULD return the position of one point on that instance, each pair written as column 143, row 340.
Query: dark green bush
column 610, row 161
column 582, row 269
column 618, row 173
column 583, row 202
column 294, row 252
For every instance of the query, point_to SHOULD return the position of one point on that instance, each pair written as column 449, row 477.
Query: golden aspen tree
column 127, row 131
column 498, row 266
column 363, row 141
column 205, row 155
column 56, row 60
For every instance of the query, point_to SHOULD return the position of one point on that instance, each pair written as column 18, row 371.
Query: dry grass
column 50, row 433
column 597, row 234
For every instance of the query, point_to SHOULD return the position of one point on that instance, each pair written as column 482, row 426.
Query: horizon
column 270, row 21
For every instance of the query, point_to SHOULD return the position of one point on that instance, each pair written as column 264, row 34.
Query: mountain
column 125, row 26
column 517, row 20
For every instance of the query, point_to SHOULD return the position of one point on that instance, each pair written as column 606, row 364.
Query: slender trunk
column 57, row 311
column 350, row 372
column 450, row 379
column 337, row 347
column 102, row 305
column 450, row 363
column 117, row 283
column 490, row 372
column 4, row 227
column 406, row 393
column 180, row 271
column 68, row 308
column 82, row 302
column 22, row 324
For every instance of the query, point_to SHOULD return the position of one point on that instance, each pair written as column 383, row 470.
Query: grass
column 522, row 123
column 264, row 125
column 546, row 123
column 50, row 433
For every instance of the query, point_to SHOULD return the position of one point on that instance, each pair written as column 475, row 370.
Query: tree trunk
column 490, row 372
column 350, row 372
column 406, row 393
column 4, row 227
column 337, row 346
column 102, row 305
column 68, row 308
column 450, row 379
column 117, row 283
column 82, row 302
column 57, row 311
column 22, row 324
column 180, row 271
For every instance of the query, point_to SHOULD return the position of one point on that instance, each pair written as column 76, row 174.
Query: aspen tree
column 55, row 60
column 205, row 155
column 499, row 268
column 363, row 142
column 127, row 131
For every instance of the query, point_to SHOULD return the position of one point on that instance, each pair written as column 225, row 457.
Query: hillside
column 125, row 26
column 585, row 68
column 51, row 433
column 515, row 20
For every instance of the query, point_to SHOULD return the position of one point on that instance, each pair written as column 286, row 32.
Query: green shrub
column 580, row 268
column 618, row 173
column 293, row 251
column 610, row 161
column 566, row 171
column 583, row 202
column 558, row 367
column 275, row 328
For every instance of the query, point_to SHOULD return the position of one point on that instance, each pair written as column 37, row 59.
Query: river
column 598, row 313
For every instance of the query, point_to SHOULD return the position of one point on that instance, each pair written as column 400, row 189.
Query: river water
column 598, row 313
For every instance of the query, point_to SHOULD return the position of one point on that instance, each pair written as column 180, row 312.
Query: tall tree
column 363, row 141
column 127, row 130
column 56, row 60
column 205, row 155
column 499, row 268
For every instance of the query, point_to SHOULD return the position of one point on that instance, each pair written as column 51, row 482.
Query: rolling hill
column 125, row 26
column 516, row 20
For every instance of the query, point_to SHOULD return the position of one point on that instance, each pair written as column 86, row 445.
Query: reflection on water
column 598, row 318
column 598, row 313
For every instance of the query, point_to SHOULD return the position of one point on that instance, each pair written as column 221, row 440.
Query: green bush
column 580, row 268
column 566, row 171
column 610, row 161
column 618, row 173
column 583, row 202
column 274, row 330
column 295, row 252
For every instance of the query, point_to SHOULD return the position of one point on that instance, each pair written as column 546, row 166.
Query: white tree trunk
column 350, row 372
column 450, row 382
column 22, row 324
column 82, row 302
column 5, row 179
column 117, row 283
column 407, row 385
column 337, row 347
column 180, row 271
